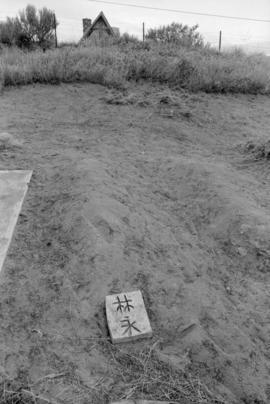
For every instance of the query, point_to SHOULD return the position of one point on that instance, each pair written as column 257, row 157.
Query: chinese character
column 128, row 325
column 123, row 304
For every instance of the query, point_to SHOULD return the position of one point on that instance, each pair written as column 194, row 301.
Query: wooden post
column 143, row 32
column 219, row 44
column 55, row 25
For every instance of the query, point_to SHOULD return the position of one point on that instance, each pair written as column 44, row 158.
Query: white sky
column 70, row 13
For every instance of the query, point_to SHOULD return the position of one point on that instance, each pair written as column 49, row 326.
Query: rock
column 8, row 140
column 242, row 251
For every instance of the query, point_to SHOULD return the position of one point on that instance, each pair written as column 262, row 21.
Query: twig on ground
column 51, row 377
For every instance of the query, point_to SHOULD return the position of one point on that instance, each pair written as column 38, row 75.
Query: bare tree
column 10, row 31
column 31, row 27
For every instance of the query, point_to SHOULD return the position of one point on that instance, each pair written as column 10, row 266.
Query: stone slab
column 13, row 187
column 127, row 317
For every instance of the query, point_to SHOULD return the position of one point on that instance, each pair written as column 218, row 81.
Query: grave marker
column 127, row 317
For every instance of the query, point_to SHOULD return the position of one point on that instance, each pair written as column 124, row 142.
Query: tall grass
column 194, row 70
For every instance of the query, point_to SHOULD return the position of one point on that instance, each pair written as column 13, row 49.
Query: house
column 100, row 29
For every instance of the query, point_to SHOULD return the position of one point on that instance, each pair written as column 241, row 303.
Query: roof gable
column 100, row 18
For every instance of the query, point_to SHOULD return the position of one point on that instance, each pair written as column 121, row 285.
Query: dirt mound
column 123, row 199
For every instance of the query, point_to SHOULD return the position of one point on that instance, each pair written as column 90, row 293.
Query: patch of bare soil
column 145, row 190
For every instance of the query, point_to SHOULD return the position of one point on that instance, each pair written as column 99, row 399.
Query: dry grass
column 12, row 392
column 194, row 70
column 136, row 374
column 144, row 375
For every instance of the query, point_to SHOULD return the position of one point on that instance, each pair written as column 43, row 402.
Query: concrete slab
column 127, row 317
column 13, row 187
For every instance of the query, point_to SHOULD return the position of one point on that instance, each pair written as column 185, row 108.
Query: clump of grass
column 120, row 98
column 55, row 66
column 260, row 151
column 12, row 392
column 191, row 69
column 143, row 375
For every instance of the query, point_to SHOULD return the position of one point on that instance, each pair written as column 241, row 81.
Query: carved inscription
column 127, row 317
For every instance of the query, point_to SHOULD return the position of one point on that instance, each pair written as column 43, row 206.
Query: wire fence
column 70, row 30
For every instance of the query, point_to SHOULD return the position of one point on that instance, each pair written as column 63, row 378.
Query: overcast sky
column 70, row 13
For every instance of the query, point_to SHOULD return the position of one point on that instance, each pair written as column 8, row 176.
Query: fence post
column 219, row 45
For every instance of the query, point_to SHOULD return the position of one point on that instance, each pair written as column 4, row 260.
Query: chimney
column 86, row 24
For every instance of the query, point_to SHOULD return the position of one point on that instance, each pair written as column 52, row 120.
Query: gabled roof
column 101, row 15
column 116, row 30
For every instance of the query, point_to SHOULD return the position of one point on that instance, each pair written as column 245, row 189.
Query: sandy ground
column 149, row 196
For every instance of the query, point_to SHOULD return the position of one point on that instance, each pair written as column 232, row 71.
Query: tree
column 29, row 22
column 46, row 27
column 39, row 25
column 176, row 33
column 30, row 28
column 10, row 31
